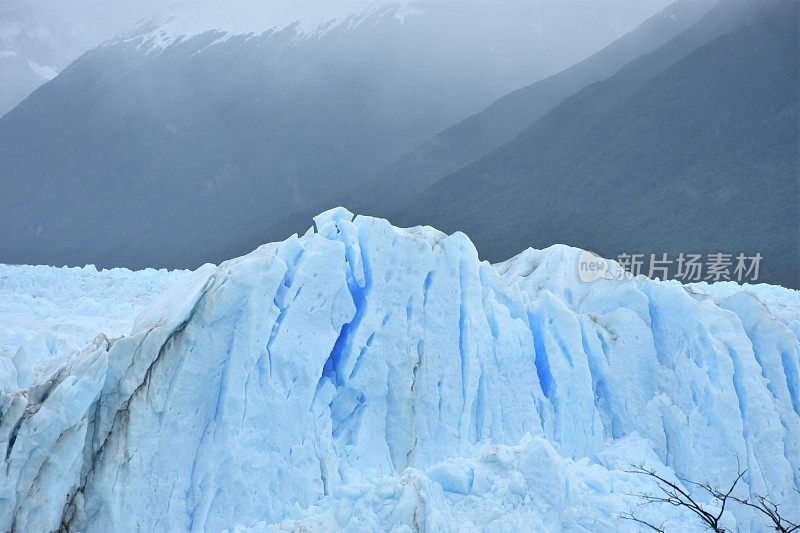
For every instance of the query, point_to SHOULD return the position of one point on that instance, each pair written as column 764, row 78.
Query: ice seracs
column 369, row 376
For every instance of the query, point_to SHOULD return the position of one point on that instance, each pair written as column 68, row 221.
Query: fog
column 249, row 131
column 92, row 21
column 96, row 19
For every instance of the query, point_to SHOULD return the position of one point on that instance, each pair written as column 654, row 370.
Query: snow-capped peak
column 242, row 17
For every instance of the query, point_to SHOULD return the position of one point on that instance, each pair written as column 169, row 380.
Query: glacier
column 47, row 313
column 367, row 377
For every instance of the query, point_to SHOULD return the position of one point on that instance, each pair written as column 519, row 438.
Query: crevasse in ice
column 366, row 376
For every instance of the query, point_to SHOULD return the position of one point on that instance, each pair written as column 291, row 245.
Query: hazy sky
column 107, row 16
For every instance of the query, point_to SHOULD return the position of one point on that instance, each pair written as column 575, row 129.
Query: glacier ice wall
column 280, row 383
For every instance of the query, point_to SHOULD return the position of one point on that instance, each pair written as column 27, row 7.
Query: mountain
column 39, row 38
column 503, row 120
column 369, row 378
column 690, row 149
column 216, row 125
column 33, row 50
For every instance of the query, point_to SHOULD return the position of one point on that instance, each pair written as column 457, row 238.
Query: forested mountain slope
column 678, row 152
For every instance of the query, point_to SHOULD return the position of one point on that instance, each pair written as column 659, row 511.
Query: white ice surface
column 46, row 313
column 783, row 303
column 369, row 377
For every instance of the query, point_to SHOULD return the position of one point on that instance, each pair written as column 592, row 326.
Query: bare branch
column 629, row 516
column 673, row 494
column 769, row 509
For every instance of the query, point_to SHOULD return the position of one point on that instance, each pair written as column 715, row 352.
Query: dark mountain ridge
column 138, row 155
column 689, row 149
column 498, row 124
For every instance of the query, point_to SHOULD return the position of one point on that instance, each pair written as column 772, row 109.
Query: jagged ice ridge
column 365, row 376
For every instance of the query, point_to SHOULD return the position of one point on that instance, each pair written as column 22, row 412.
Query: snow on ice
column 369, row 377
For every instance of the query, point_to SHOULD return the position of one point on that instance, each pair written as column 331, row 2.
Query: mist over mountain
column 183, row 116
column 39, row 38
column 498, row 124
column 693, row 148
